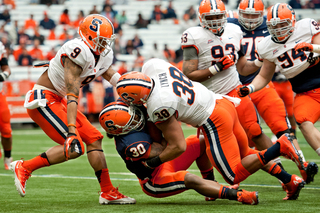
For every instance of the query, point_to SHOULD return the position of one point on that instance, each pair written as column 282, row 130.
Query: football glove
column 245, row 90
column 71, row 145
column 4, row 76
column 304, row 46
column 224, row 63
column 313, row 60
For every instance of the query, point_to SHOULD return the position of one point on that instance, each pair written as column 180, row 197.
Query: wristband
column 316, row 48
column 72, row 125
column 4, row 76
column 70, row 94
column 251, row 88
column 114, row 79
column 154, row 162
column 258, row 63
column 70, row 101
column 214, row 69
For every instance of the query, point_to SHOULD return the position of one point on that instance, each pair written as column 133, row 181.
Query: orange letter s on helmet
column 117, row 118
column 251, row 7
column 283, row 14
column 134, row 87
column 98, row 33
column 207, row 10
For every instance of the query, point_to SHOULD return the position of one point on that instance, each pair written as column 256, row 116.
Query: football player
column 171, row 97
column 5, row 126
column 77, row 63
column 294, row 48
column 267, row 101
column 212, row 53
column 135, row 143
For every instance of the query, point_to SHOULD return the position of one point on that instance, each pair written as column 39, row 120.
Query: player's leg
column 249, row 120
column 6, row 131
column 93, row 139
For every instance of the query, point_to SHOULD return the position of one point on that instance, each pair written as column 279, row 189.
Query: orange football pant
column 284, row 90
column 53, row 119
column 307, row 106
column 168, row 178
column 5, row 126
column 271, row 108
column 226, row 142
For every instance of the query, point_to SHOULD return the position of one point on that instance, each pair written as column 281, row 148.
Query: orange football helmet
column 117, row 118
column 281, row 20
column 212, row 15
column 251, row 13
column 134, row 87
column 98, row 33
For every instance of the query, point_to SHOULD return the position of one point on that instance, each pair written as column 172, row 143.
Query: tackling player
column 134, row 143
column 171, row 97
column 76, row 64
column 5, row 126
column 293, row 47
column 267, row 101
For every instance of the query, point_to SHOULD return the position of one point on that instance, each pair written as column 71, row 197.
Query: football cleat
column 294, row 187
column 115, row 197
column 311, row 169
column 289, row 151
column 210, row 198
column 247, row 197
column 7, row 162
column 21, row 175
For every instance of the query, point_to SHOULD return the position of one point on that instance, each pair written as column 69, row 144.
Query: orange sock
column 241, row 174
column 104, row 180
column 35, row 163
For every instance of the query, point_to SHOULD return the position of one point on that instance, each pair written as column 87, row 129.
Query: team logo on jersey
column 101, row 68
column 275, row 51
column 264, row 31
column 90, row 67
column 297, row 41
column 210, row 41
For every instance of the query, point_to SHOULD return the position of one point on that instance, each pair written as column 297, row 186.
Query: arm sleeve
column 190, row 53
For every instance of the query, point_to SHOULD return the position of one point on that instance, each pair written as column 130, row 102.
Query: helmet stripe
column 114, row 107
column 213, row 4
column 275, row 10
column 251, row 4
column 132, row 82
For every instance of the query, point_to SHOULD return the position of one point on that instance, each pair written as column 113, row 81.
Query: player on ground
column 134, row 143
column 267, row 101
column 293, row 48
column 212, row 53
column 76, row 64
column 171, row 97
column 5, row 126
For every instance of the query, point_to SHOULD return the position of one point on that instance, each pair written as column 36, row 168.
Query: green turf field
column 73, row 187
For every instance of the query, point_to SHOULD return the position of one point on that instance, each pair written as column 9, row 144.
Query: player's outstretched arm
column 112, row 76
column 72, row 80
column 246, row 67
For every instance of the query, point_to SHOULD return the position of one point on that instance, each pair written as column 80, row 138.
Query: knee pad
column 254, row 131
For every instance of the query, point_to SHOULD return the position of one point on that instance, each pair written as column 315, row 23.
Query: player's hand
column 71, row 145
column 4, row 76
column 304, row 46
column 243, row 91
column 226, row 62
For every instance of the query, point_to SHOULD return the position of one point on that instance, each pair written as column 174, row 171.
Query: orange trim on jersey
column 61, row 58
column 192, row 45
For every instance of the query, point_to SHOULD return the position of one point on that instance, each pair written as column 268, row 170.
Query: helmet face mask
column 251, row 14
column 118, row 118
column 213, row 16
column 98, row 33
column 280, row 22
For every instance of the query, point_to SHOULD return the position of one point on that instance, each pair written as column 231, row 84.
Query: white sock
column 318, row 151
column 302, row 156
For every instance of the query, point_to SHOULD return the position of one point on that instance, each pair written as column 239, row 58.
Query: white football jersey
column 77, row 51
column 210, row 49
column 175, row 93
column 290, row 62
